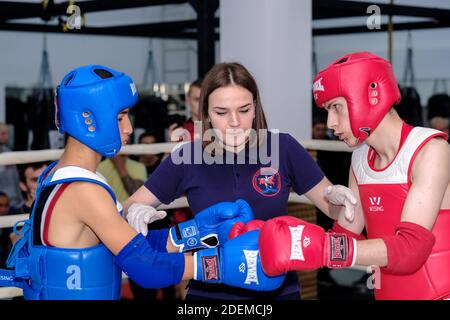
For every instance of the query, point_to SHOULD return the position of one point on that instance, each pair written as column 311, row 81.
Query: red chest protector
column 383, row 194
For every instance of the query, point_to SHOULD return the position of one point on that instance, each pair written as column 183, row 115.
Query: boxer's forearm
column 143, row 196
column 358, row 223
column 188, row 267
column 170, row 247
column 371, row 252
column 334, row 212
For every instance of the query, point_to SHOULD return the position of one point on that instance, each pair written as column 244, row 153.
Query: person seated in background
column 123, row 174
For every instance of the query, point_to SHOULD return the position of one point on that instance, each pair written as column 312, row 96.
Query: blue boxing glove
column 237, row 264
column 211, row 226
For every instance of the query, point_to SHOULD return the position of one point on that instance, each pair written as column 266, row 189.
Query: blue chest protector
column 45, row 272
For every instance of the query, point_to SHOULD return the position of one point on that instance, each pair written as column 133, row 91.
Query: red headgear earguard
column 368, row 84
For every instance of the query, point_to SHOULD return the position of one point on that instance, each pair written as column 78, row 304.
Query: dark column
column 205, row 33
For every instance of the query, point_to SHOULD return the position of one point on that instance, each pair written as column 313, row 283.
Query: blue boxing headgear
column 88, row 102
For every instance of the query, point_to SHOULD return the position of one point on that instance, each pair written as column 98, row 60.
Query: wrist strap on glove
column 207, row 265
column 339, row 251
column 186, row 237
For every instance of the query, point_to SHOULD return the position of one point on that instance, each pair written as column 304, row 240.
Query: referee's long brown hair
column 224, row 75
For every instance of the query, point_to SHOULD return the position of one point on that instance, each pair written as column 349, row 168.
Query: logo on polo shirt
column 267, row 181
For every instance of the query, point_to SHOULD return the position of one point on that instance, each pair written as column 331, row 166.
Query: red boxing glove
column 290, row 244
column 239, row 227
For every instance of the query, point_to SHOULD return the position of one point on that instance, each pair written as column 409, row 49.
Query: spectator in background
column 150, row 161
column 9, row 182
column 123, row 174
column 5, row 242
column 29, row 174
column 319, row 129
column 186, row 131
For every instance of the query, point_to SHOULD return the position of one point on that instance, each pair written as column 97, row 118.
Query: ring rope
column 21, row 157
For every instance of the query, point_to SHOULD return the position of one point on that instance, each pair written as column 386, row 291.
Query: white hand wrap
column 140, row 215
column 342, row 196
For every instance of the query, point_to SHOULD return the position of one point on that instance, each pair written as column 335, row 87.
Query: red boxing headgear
column 367, row 83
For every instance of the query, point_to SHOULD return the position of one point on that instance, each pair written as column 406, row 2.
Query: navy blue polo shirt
column 263, row 176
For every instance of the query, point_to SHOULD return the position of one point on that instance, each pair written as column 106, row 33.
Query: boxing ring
column 21, row 157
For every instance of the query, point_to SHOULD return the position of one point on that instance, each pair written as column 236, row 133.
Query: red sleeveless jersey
column 383, row 193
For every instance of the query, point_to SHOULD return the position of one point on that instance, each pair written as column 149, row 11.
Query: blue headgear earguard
column 88, row 102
